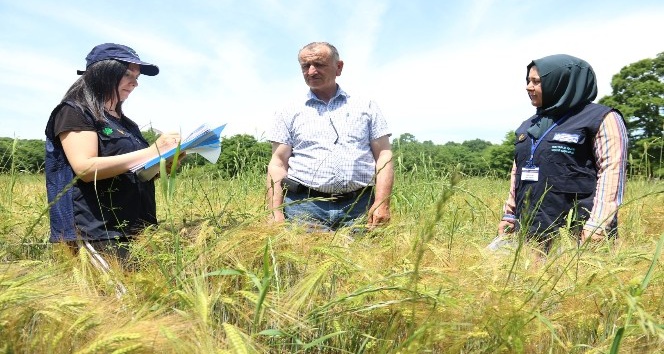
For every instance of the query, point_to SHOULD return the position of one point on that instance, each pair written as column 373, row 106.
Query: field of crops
column 214, row 277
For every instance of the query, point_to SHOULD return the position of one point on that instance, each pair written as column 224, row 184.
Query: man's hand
column 276, row 217
column 379, row 215
column 277, row 170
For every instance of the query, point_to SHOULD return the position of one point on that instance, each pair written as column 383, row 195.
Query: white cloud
column 479, row 11
column 477, row 89
column 216, row 67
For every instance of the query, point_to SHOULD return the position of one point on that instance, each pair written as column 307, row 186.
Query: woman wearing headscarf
column 570, row 157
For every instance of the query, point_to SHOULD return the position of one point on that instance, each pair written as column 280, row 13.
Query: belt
column 295, row 187
column 338, row 197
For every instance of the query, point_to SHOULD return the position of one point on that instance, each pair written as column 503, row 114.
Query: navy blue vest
column 567, row 172
column 110, row 208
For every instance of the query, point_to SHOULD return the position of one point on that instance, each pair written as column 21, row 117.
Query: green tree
column 500, row 157
column 465, row 157
column 426, row 157
column 411, row 155
column 406, row 138
column 242, row 153
column 638, row 92
column 476, row 145
column 26, row 155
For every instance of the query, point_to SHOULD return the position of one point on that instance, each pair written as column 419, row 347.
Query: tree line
column 637, row 91
column 242, row 153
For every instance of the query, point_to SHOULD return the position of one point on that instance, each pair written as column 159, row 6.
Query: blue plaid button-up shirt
column 330, row 141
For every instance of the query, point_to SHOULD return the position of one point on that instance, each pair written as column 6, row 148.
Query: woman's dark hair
column 97, row 85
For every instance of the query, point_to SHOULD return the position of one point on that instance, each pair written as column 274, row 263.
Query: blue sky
column 440, row 70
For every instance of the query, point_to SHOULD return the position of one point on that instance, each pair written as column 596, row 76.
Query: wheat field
column 214, row 277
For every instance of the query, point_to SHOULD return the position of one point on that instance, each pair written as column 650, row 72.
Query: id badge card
column 530, row 174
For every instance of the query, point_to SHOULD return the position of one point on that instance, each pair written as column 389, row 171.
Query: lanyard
column 534, row 144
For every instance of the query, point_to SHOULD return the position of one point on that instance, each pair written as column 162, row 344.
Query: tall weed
column 213, row 276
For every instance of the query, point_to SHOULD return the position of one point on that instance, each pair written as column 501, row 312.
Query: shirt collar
column 340, row 93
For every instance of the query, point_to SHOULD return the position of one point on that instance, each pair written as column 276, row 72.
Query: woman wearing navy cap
column 570, row 159
column 96, row 202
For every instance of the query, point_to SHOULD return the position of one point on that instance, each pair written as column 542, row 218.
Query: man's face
column 319, row 68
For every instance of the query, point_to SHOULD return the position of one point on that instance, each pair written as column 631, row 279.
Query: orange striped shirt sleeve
column 509, row 208
column 610, row 148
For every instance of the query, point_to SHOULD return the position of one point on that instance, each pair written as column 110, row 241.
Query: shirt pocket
column 312, row 132
column 354, row 127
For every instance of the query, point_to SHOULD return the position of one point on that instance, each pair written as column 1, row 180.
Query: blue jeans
column 326, row 215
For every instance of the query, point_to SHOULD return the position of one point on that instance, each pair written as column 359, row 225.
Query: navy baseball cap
column 118, row 52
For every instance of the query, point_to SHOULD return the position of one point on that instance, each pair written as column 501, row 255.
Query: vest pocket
column 576, row 183
column 566, row 147
column 564, row 153
column 115, row 143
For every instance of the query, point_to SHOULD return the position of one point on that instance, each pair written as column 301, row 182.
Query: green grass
column 213, row 277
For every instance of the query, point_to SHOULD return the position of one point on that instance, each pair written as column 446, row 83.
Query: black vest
column 114, row 207
column 567, row 171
